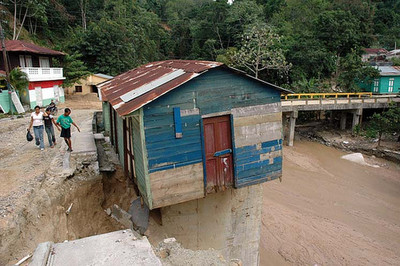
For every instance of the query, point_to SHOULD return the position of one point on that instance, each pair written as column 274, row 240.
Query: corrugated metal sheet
column 375, row 51
column 137, row 87
column 389, row 70
column 22, row 46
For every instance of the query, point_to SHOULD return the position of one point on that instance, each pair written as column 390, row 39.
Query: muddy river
column 329, row 211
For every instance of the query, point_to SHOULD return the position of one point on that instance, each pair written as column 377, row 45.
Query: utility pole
column 3, row 47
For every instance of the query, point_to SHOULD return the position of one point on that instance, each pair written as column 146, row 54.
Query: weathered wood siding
column 140, row 155
column 213, row 93
column 120, row 135
column 106, row 117
column 258, row 152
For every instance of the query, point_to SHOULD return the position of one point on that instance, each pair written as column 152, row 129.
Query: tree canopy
column 321, row 40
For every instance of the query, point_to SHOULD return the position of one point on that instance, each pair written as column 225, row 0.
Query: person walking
column 37, row 123
column 65, row 122
column 48, row 127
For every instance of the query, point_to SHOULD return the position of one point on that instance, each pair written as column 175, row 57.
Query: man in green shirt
column 65, row 122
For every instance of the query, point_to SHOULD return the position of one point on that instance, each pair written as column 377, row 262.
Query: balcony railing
column 43, row 73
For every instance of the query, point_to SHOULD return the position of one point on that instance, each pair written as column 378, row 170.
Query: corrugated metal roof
column 389, row 70
column 137, row 87
column 394, row 52
column 375, row 50
column 22, row 46
column 101, row 75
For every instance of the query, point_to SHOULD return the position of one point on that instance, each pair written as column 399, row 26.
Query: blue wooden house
column 184, row 129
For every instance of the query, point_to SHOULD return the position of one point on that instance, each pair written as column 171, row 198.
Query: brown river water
column 330, row 211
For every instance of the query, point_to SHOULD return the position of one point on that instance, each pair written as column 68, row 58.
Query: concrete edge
column 41, row 254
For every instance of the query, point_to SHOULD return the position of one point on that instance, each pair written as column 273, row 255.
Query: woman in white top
column 37, row 123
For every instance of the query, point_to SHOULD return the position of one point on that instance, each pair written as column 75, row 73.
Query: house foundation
column 228, row 221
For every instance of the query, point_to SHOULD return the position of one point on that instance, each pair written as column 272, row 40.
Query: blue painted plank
column 262, row 169
column 270, row 143
column 258, row 179
column 190, row 156
column 245, row 160
column 223, row 152
column 171, row 144
column 173, row 166
column 166, row 153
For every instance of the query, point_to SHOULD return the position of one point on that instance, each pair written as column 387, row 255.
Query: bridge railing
column 326, row 95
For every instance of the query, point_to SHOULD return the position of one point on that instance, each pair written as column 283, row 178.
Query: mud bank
column 345, row 140
column 42, row 215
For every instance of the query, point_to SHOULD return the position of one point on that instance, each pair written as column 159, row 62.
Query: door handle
column 223, row 152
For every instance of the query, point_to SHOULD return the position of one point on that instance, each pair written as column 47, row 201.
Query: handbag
column 29, row 136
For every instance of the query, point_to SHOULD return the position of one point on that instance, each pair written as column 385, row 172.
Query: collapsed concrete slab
column 115, row 248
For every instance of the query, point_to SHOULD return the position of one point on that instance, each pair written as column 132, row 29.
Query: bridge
column 342, row 102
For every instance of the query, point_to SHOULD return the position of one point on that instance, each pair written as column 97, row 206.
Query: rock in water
column 357, row 158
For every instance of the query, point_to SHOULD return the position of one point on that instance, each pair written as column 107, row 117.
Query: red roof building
column 45, row 80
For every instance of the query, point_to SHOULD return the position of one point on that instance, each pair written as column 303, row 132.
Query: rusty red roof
column 375, row 51
column 23, row 46
column 135, row 88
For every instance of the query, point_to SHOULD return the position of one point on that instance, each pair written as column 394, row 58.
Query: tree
column 386, row 122
column 24, row 9
column 339, row 31
column 353, row 72
column 74, row 69
column 260, row 50
column 18, row 80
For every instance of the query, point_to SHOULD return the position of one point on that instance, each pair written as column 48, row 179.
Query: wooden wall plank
column 177, row 185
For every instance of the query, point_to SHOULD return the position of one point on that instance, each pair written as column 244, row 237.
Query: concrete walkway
column 115, row 248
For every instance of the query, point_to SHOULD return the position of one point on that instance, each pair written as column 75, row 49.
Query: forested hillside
column 301, row 44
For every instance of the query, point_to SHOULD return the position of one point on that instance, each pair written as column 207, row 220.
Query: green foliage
column 321, row 40
column 386, row 122
column 353, row 72
column 395, row 61
column 18, row 80
column 307, row 86
column 357, row 130
column 74, row 69
column 260, row 50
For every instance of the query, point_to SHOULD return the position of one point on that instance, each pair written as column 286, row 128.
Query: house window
column 22, row 61
column 376, row 85
column 44, row 62
column 28, row 61
column 25, row 61
column 78, row 88
column 391, row 83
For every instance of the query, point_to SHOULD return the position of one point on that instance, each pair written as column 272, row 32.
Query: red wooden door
column 218, row 150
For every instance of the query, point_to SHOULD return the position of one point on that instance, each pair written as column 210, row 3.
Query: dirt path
column 33, row 204
column 329, row 211
column 21, row 161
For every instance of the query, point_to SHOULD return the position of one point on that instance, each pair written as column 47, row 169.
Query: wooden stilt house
column 184, row 129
